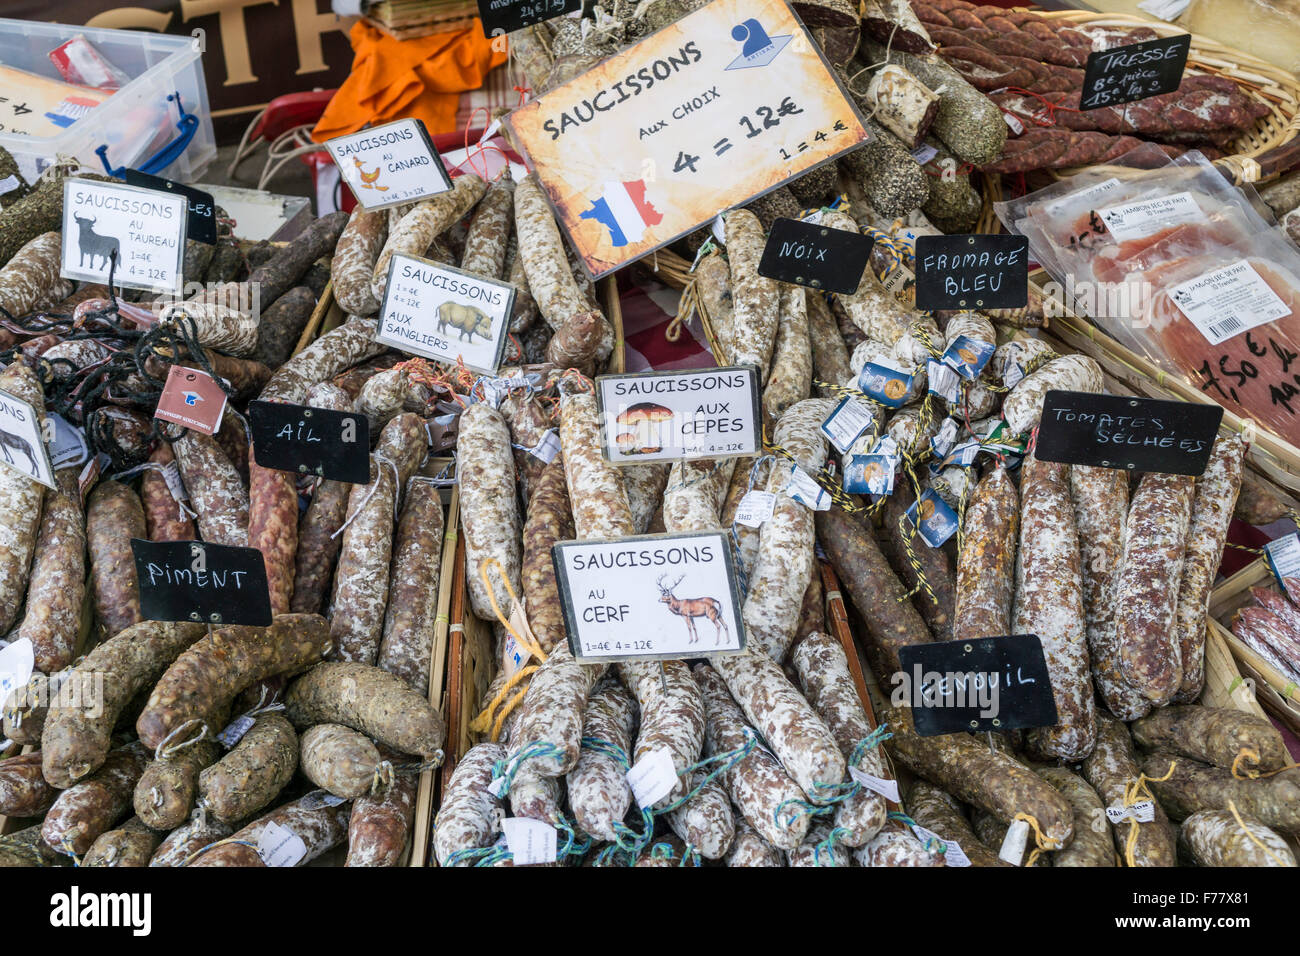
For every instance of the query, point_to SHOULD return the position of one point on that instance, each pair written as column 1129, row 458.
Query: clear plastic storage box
column 139, row 122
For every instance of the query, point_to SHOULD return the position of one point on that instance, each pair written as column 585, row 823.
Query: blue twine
column 469, row 853
column 828, row 845
column 932, row 846
column 507, row 767
column 830, row 794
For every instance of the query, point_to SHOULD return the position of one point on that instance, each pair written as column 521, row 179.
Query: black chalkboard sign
column 506, row 16
column 311, row 441
column 201, row 221
column 196, row 581
column 1134, row 72
column 993, row 683
column 972, row 272
column 1136, row 434
column 830, row 260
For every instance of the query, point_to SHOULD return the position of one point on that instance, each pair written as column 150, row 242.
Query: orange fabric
column 394, row 79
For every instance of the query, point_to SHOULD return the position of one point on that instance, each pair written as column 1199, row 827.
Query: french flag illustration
column 623, row 209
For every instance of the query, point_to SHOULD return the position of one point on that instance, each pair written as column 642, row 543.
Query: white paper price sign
column 140, row 233
column 726, row 103
column 672, row 416
column 650, row 596
column 390, row 164
column 17, row 661
column 445, row 314
column 22, row 446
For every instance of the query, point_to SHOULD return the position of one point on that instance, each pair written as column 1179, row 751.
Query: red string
column 1049, row 107
column 469, row 154
column 523, row 92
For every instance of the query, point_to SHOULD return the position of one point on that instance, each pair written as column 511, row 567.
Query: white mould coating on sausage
column 693, row 493
column 787, row 541
column 32, row 270
column 1215, row 838
column 897, row 845
column 1049, row 603
column 870, row 350
column 553, row 709
column 188, row 838
column 469, row 817
column 337, row 350
column 776, row 709
column 1022, row 356
column 748, row 538
column 1100, row 497
column 872, row 308
column 410, row 622
column 791, row 376
column 705, row 822
column 713, row 287
column 672, row 713
column 644, row 485
column 759, row 786
column 20, row 503
column 1110, row 770
column 748, row 848
column 489, row 509
column 1212, row 507
column 1155, row 544
column 58, row 577
column 535, row 795
column 1072, row 373
column 215, row 325
column 823, row 670
column 756, row 299
column 426, row 222
column 596, row 490
column 815, row 851
column 489, row 230
column 217, row 493
column 319, row 827
column 550, row 280
column 972, row 325
column 353, row 264
column 599, row 795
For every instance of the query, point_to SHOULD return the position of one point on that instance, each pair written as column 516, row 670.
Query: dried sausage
column 167, row 789
column 20, row 502
column 92, row 805
column 380, row 827
column 549, row 520
column 216, row 491
column 131, row 844
column 1214, row 735
column 342, row 761
column 469, row 816
column 429, row 219
column 320, row 826
column 406, row 649
column 1112, row 772
column 756, row 299
column 986, row 564
column 672, row 714
column 253, row 773
column 355, row 255
column 165, row 516
column 489, row 510
column 1215, row 838
column 57, row 584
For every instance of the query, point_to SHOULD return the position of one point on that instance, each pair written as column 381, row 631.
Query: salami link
column 1212, row 507
column 417, row 230
column 549, row 521
column 791, row 378
column 353, row 265
column 165, row 794
column 597, row 494
column 489, row 231
column 705, row 822
column 380, row 826
column 1091, row 845
column 672, row 714
column 131, row 844
column 1215, row 838
column 759, row 786
column 335, row 351
column 57, row 584
column 1112, row 772
column 319, row 827
column 1049, row 603
column 748, row 848
column 215, row 489
column 894, row 535
column 986, row 565
column 187, row 839
column 273, row 527
column 1073, row 373
column 33, row 269
column 24, row 791
column 598, row 790
column 823, row 670
column 1100, row 498
column 318, row 543
column 469, row 817
column 248, row 778
column 90, row 807
column 756, row 300
column 406, row 649
column 164, row 517
column 937, row 811
column 1214, row 735
column 489, row 510
column 1149, row 581
column 20, row 500
column 342, row 761
column 693, row 493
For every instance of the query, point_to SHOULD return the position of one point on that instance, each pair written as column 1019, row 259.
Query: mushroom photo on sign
column 646, row 420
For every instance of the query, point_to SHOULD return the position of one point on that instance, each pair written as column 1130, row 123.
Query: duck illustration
column 368, row 179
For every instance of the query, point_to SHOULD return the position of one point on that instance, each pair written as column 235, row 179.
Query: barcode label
column 1227, row 327
column 1228, row 301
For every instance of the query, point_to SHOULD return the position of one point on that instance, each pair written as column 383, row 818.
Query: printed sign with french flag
column 624, row 210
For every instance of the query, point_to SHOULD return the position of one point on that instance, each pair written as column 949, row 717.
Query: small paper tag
column 9, row 184
column 530, row 841
column 69, row 445
column 171, row 475
column 943, row 380
column 652, row 777
column 889, row 386
column 1167, row 10
column 191, row 398
column 968, row 356
column 1013, row 844
column 320, row 798
column 897, row 279
column 923, row 154
column 1284, row 557
column 1013, row 121
column 497, row 786
column 803, row 489
column 1137, row 220
column 16, row 663
column 547, row 447
column 755, row 508
column 962, row 455
column 1225, row 302
column 886, row 788
column 945, row 438
column 846, row 423
column 719, row 230
column 235, row 731
column 1143, row 811
column 514, row 654
column 279, row 846
column 938, row 521
column 953, row 855
column 869, row 474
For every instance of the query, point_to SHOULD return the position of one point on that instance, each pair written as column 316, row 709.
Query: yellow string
column 1254, row 839
column 1252, row 755
column 484, row 720
column 1041, row 843
column 1132, row 791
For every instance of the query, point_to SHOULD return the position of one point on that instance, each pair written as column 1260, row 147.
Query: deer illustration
column 9, row 440
column 90, row 243
column 691, row 608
